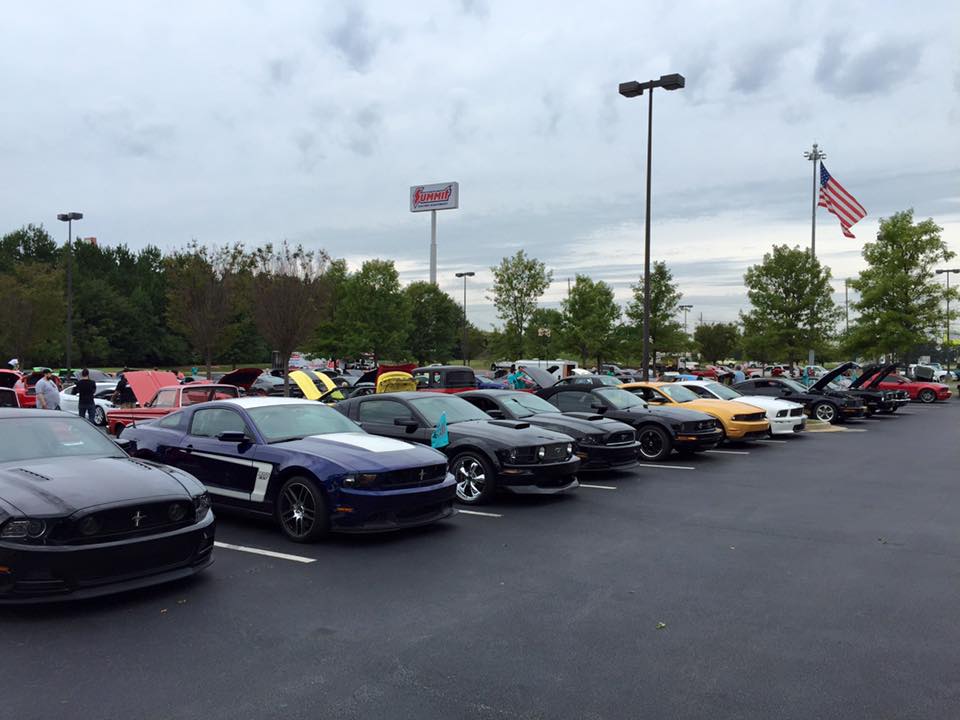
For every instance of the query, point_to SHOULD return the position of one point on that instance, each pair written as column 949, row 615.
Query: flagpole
column 814, row 156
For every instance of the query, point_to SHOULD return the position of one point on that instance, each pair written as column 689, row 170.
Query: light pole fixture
column 814, row 155
column 673, row 81
column 465, row 275
column 948, row 272
column 686, row 309
column 68, row 218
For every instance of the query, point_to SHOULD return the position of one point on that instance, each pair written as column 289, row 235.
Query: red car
column 919, row 390
column 445, row 378
column 25, row 386
column 164, row 395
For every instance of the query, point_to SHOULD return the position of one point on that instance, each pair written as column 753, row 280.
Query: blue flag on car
column 440, row 437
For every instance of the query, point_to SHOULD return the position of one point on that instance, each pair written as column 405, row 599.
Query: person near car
column 86, row 389
column 738, row 375
column 124, row 395
column 48, row 394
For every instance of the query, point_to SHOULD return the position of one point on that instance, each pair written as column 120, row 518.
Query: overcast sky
column 258, row 121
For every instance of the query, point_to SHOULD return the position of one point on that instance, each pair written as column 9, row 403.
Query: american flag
column 838, row 201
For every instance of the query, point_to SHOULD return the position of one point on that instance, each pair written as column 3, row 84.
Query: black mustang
column 876, row 400
column 660, row 431
column 601, row 441
column 870, row 379
column 485, row 454
column 79, row 518
column 828, row 405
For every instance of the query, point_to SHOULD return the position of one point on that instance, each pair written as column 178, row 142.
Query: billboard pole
column 433, row 247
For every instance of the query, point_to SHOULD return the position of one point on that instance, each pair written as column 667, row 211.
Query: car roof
column 692, row 382
column 22, row 413
column 255, row 402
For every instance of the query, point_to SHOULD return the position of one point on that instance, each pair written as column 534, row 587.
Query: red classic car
column 24, row 385
column 165, row 397
column 919, row 390
column 445, row 378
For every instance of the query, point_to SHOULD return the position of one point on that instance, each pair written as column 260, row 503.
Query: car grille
column 555, row 452
column 796, row 412
column 621, row 438
column 750, row 417
column 698, row 426
column 413, row 477
column 118, row 523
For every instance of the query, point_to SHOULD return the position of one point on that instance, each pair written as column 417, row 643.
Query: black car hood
column 576, row 425
column 822, row 383
column 865, row 374
column 881, row 376
column 509, row 433
column 62, row 486
column 668, row 414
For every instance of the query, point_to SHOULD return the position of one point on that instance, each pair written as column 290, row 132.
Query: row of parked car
column 81, row 514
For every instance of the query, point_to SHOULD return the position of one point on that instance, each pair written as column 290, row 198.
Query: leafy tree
column 201, row 295
column 288, row 293
column 717, row 341
column 666, row 332
column 436, row 321
column 32, row 312
column 518, row 282
column 792, row 306
column 589, row 315
column 374, row 314
column 329, row 339
column 478, row 343
column 544, row 335
column 900, row 301
column 31, row 243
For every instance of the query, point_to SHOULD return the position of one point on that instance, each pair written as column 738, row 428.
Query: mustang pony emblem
column 138, row 518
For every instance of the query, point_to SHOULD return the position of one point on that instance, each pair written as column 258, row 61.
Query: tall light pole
column 846, row 304
column 685, row 309
column 673, row 81
column 948, row 273
column 68, row 218
column 814, row 155
column 465, row 275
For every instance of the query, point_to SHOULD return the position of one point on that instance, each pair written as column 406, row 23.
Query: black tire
column 655, row 444
column 827, row 412
column 302, row 510
column 118, row 428
column 927, row 396
column 475, row 476
column 99, row 416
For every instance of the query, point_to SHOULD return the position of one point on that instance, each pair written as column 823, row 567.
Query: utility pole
column 685, row 309
column 68, row 218
column 948, row 273
column 465, row 275
column 846, row 303
column 815, row 156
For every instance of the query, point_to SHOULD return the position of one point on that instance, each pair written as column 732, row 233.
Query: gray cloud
column 874, row 69
column 757, row 68
column 553, row 112
column 355, row 39
column 280, row 71
column 477, row 8
column 364, row 134
column 127, row 135
column 310, row 153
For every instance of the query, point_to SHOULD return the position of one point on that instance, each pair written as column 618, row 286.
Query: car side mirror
column 233, row 436
column 125, row 444
column 656, row 399
column 597, row 407
column 495, row 414
column 407, row 423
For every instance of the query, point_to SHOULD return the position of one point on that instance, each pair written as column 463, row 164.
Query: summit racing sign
column 442, row 196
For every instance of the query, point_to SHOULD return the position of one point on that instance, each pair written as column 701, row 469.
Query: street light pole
column 673, row 81
column 948, row 273
column 464, row 275
column 814, row 155
column 68, row 218
column 685, row 308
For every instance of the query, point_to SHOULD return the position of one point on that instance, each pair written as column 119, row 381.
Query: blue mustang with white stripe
column 301, row 462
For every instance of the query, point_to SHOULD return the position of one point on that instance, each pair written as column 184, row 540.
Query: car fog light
column 569, row 449
column 176, row 512
column 89, row 526
column 541, row 452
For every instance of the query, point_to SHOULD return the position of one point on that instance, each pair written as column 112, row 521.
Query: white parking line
column 778, row 442
column 268, row 553
column 474, row 512
column 598, row 487
column 669, row 467
column 729, row 452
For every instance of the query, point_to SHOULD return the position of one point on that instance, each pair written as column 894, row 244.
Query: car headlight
column 541, row 452
column 782, row 413
column 569, row 449
column 360, row 480
column 201, row 504
column 590, row 440
column 18, row 529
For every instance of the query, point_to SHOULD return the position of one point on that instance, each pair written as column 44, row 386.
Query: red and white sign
column 442, row 196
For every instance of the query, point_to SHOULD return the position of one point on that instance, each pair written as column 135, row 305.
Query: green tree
column 518, row 282
column 374, row 314
column 900, row 301
column 478, row 343
column 716, row 341
column 589, row 316
column 792, row 306
column 436, row 321
column 31, row 243
column 666, row 332
column 329, row 340
column 544, row 335
column 32, row 312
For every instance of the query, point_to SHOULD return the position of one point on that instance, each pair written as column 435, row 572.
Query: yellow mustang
column 740, row 421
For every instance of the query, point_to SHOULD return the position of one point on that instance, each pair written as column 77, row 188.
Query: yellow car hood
column 724, row 409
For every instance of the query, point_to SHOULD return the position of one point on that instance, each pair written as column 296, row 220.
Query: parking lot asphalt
column 814, row 577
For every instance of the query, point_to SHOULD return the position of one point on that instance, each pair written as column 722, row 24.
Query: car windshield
column 723, row 392
column 793, row 385
column 609, row 380
column 525, row 405
column 457, row 409
column 39, row 438
column 678, row 393
column 298, row 420
column 621, row 399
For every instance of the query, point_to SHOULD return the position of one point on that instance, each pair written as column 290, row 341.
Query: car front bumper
column 742, row 430
column 788, row 425
column 602, row 457
column 855, row 412
column 698, row 441
column 359, row 511
column 547, row 479
column 51, row 573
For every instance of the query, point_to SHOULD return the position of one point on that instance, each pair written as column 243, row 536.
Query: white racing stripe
column 729, row 452
column 268, row 553
column 474, row 512
column 669, row 467
column 598, row 487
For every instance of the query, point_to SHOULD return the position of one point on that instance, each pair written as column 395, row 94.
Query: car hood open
column 241, row 377
column 9, row 378
column 145, row 383
column 822, row 383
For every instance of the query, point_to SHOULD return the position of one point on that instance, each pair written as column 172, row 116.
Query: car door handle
column 188, row 449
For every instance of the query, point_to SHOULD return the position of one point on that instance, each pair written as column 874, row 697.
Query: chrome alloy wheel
column 471, row 478
column 298, row 509
column 825, row 412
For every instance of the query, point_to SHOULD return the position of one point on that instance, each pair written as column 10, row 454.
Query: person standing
column 48, row 394
column 124, row 395
column 738, row 375
column 86, row 389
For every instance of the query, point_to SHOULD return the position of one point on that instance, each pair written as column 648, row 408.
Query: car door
column 770, row 388
column 68, row 400
column 377, row 416
column 225, row 468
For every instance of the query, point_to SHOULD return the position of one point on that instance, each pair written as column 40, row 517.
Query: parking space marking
column 729, row 452
column 598, row 487
column 268, row 553
column 669, row 467
column 474, row 512
column 778, row 442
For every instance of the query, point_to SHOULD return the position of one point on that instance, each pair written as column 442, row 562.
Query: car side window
column 762, row 384
column 383, row 411
column 485, row 404
column 573, row 401
column 165, row 399
column 171, row 421
column 193, row 396
column 701, row 391
column 211, row 422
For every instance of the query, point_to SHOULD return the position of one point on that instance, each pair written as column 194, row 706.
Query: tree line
column 232, row 304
